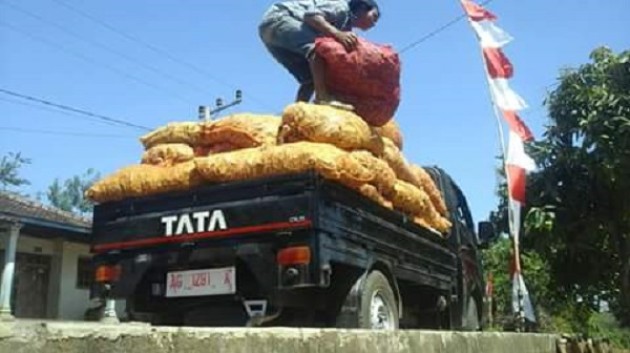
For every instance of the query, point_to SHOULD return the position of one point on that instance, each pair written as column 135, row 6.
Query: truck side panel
column 358, row 233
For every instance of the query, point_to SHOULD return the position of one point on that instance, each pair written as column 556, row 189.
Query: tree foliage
column 580, row 214
column 497, row 261
column 10, row 170
column 69, row 194
column 66, row 195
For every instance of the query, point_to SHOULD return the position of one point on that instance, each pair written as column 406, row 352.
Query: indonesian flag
column 517, row 163
column 504, row 97
column 517, row 125
column 490, row 286
column 482, row 22
column 477, row 13
column 521, row 294
column 499, row 70
column 521, row 300
column 498, row 65
column 490, row 35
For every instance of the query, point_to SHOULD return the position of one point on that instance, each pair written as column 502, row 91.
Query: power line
column 157, row 50
column 91, row 61
column 104, row 47
column 436, row 31
column 56, row 111
column 60, row 133
column 75, row 110
column 141, row 42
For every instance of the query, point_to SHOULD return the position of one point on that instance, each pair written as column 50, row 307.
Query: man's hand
column 349, row 40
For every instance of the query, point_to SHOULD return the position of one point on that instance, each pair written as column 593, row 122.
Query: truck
column 290, row 250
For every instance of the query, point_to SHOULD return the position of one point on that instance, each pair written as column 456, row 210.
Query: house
column 45, row 261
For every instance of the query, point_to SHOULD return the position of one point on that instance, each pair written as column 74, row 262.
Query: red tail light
column 107, row 273
column 298, row 255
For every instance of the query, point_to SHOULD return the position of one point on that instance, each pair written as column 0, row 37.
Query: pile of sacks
column 338, row 144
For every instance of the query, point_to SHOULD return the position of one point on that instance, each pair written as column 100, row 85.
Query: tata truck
column 290, row 250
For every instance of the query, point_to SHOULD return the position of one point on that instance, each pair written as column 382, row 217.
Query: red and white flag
column 477, row 13
column 504, row 97
column 517, row 164
column 499, row 70
column 490, row 35
column 519, row 289
column 498, row 65
column 517, row 125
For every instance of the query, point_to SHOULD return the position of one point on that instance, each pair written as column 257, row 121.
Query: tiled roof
column 17, row 206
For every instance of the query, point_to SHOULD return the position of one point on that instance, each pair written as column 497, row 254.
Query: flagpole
column 493, row 38
column 511, row 222
column 497, row 116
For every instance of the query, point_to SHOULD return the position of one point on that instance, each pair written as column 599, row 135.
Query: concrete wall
column 94, row 338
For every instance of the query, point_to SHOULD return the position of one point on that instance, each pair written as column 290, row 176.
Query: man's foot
column 335, row 104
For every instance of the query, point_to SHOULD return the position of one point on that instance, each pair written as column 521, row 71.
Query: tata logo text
column 196, row 222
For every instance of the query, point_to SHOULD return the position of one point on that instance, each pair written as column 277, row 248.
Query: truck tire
column 378, row 309
column 471, row 316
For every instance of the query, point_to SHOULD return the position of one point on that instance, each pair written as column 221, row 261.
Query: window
column 84, row 272
column 463, row 213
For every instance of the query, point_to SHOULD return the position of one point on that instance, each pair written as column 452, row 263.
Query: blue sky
column 49, row 51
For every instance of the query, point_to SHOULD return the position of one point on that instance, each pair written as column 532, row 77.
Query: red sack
column 368, row 77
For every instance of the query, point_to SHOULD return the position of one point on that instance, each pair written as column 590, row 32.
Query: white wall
column 72, row 301
column 30, row 245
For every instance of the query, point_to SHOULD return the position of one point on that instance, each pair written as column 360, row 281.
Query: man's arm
column 318, row 22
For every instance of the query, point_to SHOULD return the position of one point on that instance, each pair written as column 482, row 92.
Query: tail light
column 298, row 255
column 107, row 273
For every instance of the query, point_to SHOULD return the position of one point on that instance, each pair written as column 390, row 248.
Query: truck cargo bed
column 241, row 229
column 350, row 227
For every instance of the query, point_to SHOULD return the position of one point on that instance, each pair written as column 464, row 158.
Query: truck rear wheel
column 378, row 310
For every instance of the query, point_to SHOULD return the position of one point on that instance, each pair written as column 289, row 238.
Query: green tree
column 579, row 218
column 68, row 195
column 10, row 170
column 497, row 262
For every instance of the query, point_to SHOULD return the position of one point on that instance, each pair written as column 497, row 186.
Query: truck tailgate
column 210, row 213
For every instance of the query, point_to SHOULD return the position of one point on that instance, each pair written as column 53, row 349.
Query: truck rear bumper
column 144, row 276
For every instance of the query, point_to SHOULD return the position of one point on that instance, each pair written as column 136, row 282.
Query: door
column 32, row 275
